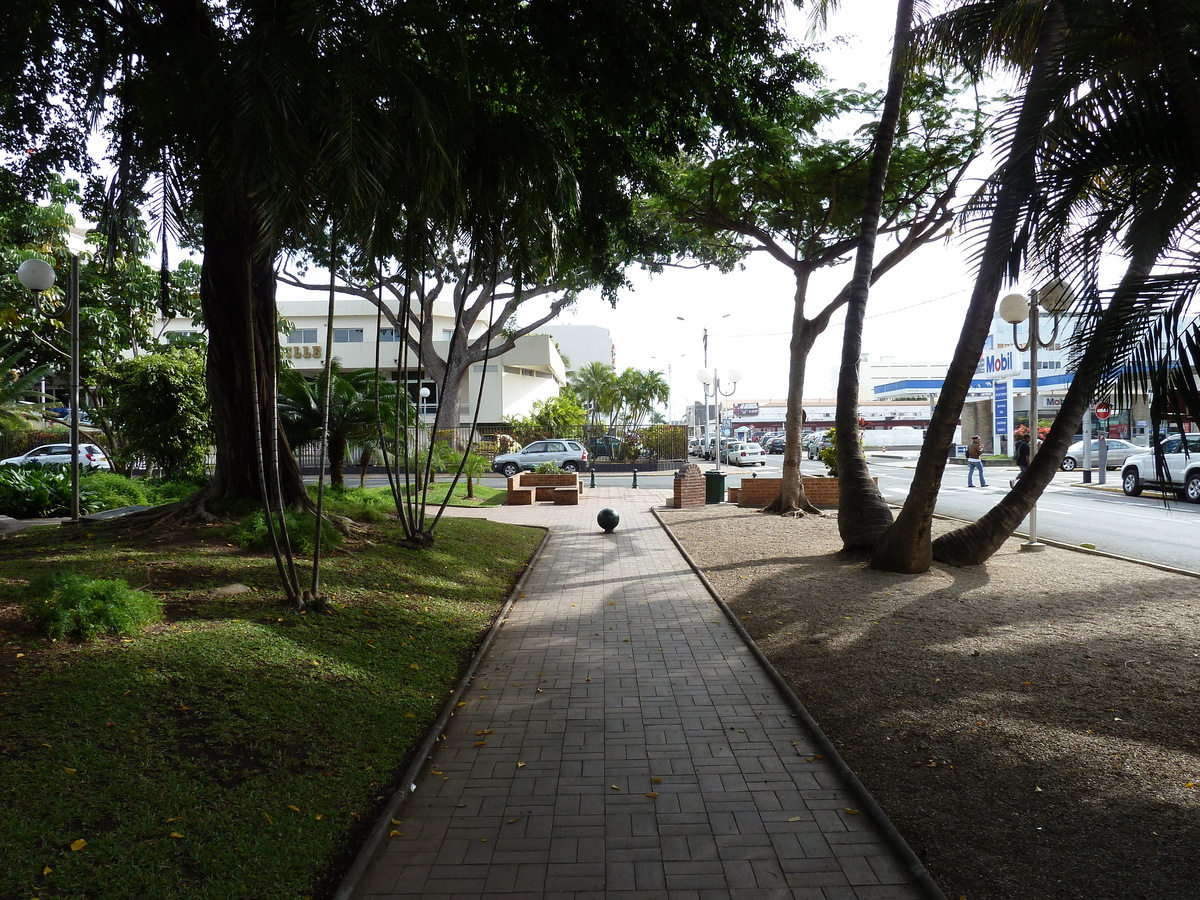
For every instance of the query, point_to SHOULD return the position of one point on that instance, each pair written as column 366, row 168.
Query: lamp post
column 704, row 377
column 704, row 344
column 1054, row 298
column 38, row 275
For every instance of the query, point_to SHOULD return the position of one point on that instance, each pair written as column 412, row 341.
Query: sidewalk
column 620, row 739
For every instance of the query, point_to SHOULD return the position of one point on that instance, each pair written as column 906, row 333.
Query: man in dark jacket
column 1022, row 456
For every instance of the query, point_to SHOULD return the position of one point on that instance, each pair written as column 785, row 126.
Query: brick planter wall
column 689, row 487
column 541, row 486
column 758, row 492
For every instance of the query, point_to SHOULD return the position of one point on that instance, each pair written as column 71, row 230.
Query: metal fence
column 655, row 442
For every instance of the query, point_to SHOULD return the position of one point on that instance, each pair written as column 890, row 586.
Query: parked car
column 716, row 448
column 817, row 442
column 605, row 445
column 1118, row 452
column 745, row 453
column 90, row 456
column 1181, row 472
column 775, row 444
column 571, row 456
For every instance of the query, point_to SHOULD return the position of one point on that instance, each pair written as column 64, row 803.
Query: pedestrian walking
column 1022, row 457
column 975, row 462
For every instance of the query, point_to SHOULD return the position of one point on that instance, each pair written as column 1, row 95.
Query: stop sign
column 1103, row 410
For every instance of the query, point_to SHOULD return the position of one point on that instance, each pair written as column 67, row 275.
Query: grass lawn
column 484, row 496
column 239, row 748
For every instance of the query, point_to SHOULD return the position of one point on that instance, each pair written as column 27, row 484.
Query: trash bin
column 714, row 486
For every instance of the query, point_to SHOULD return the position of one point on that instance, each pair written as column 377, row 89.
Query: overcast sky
column 914, row 315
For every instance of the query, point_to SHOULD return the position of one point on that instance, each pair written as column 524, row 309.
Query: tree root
column 796, row 510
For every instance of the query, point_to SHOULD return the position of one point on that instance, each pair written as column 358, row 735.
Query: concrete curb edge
column 864, row 799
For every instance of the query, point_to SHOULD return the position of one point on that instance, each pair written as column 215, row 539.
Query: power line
column 875, row 316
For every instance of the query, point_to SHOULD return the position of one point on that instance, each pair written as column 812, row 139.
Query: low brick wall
column 758, row 492
column 688, row 487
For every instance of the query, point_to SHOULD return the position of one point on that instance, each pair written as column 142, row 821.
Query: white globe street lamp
column 38, row 275
column 712, row 388
column 1055, row 297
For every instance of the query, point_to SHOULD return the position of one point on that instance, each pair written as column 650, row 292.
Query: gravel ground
column 1030, row 726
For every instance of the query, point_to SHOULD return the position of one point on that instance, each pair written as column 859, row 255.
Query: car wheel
column 570, row 466
column 1131, row 484
column 1068, row 464
column 1191, row 487
column 510, row 469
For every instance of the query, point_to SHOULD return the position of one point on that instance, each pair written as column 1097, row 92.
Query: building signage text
column 995, row 363
column 1000, row 404
column 302, row 352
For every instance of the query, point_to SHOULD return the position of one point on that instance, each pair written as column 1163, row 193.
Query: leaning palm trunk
column 863, row 514
column 906, row 545
column 975, row 543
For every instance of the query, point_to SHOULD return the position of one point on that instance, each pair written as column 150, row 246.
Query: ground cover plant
column 239, row 748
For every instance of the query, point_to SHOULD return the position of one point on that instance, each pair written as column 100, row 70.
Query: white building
column 582, row 345
column 532, row 371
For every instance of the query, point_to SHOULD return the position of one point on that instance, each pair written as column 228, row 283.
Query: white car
column 1181, row 472
column 1118, row 451
column 745, row 453
column 90, row 456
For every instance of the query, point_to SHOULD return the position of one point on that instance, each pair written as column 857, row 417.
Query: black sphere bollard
column 635, row 478
column 607, row 519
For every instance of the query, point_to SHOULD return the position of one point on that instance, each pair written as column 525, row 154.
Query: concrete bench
column 566, row 496
column 519, row 496
column 526, row 487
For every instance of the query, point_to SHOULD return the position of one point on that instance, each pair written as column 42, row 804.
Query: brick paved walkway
column 621, row 740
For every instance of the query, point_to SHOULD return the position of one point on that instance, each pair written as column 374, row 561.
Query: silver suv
column 571, row 456
column 1180, row 474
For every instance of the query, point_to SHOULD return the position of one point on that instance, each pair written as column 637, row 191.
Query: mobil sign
column 998, row 363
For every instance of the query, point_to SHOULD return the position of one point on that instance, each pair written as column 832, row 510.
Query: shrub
column 252, row 533
column 71, row 605
column 33, row 491
column 547, row 468
column 829, row 454
column 169, row 491
column 115, row 491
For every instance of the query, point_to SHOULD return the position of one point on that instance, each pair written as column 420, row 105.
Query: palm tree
column 596, row 386
column 351, row 411
column 863, row 514
column 1108, row 163
column 1114, row 165
column 472, row 466
column 17, row 386
column 906, row 545
column 637, row 392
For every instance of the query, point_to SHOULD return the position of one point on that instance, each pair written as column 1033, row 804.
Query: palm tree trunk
column 792, row 498
column 906, row 546
column 863, row 514
column 975, row 543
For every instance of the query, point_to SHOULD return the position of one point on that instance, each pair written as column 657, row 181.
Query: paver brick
column 617, row 668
